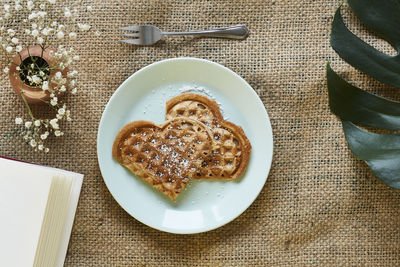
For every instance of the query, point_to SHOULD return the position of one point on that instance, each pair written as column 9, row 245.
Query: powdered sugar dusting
column 196, row 88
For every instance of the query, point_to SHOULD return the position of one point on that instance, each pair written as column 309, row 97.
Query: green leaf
column 380, row 16
column 380, row 151
column 356, row 105
column 361, row 55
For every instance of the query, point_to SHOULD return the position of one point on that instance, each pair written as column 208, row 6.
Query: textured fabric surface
column 319, row 206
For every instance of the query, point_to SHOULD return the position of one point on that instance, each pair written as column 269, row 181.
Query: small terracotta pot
column 32, row 94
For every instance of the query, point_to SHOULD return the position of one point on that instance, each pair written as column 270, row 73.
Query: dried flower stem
column 27, row 105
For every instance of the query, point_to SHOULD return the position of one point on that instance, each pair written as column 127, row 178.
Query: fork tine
column 130, row 34
column 131, row 28
column 132, row 41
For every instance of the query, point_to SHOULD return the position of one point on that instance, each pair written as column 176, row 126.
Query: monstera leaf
column 381, row 152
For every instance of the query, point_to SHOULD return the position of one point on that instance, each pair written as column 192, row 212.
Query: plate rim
column 268, row 163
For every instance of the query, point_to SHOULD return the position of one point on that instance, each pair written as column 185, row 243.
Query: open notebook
column 37, row 210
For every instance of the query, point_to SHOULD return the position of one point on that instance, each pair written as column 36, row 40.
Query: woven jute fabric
column 320, row 206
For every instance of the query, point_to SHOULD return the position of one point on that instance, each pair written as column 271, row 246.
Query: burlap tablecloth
column 319, row 206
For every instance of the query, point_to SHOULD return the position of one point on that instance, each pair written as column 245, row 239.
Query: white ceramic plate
column 204, row 205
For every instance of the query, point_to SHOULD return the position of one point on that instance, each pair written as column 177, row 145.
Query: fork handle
column 234, row 32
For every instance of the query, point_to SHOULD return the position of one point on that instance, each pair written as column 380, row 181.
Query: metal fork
column 149, row 34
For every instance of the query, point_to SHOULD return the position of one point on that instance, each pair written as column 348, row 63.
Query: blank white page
column 24, row 190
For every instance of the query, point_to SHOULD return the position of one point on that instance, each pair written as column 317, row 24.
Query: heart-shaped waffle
column 166, row 156
column 232, row 152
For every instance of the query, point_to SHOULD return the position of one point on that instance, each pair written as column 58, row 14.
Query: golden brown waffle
column 232, row 152
column 166, row 156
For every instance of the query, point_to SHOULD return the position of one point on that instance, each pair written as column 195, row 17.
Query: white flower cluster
column 38, row 130
column 41, row 24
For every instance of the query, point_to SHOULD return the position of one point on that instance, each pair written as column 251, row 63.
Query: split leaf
column 361, row 55
column 356, row 105
column 380, row 16
column 380, row 151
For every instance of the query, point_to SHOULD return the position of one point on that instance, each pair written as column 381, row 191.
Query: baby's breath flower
column 45, row 85
column 54, row 124
column 83, row 27
column 36, row 79
column 18, row 7
column 58, row 75
column 67, row 13
column 71, row 74
column 42, row 14
column 35, row 33
column 33, row 15
column 30, row 5
column 33, row 143
column 69, row 62
column 11, row 32
column 54, row 101
column 45, row 31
